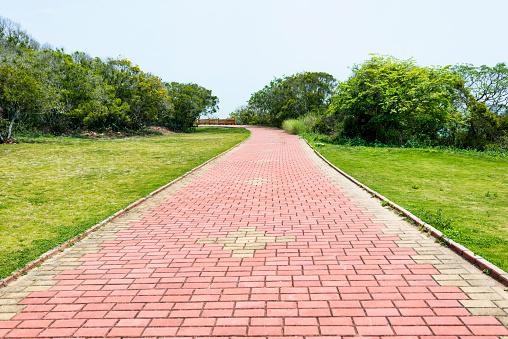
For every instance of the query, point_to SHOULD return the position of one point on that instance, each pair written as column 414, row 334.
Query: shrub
column 293, row 126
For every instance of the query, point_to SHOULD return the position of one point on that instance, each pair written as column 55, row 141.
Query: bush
column 293, row 126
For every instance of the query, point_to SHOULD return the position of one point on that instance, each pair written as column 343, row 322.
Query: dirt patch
column 159, row 129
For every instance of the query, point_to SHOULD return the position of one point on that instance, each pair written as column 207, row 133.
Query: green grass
column 464, row 195
column 52, row 189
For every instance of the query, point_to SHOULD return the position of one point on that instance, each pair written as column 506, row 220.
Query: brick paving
column 267, row 241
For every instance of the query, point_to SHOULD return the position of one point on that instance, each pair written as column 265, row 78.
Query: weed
column 486, row 271
column 436, row 218
column 415, row 186
column 409, row 220
column 385, row 203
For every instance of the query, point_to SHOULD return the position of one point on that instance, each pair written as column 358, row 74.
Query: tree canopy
column 392, row 101
column 288, row 97
column 46, row 88
column 488, row 85
column 190, row 101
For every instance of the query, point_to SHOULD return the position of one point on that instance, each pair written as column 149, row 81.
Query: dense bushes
column 392, row 102
column 287, row 98
column 395, row 102
column 45, row 88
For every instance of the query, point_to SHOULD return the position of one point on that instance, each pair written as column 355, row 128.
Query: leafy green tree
column 291, row 97
column 19, row 94
column 145, row 94
column 478, row 127
column 488, row 85
column 14, row 35
column 190, row 101
column 68, row 92
column 244, row 115
column 393, row 101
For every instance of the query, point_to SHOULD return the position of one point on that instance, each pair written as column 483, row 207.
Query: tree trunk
column 10, row 127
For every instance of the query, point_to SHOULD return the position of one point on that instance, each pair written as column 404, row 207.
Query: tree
column 145, row 94
column 488, row 85
column 244, row 115
column 67, row 92
column 190, row 101
column 14, row 35
column 19, row 94
column 393, row 101
column 291, row 97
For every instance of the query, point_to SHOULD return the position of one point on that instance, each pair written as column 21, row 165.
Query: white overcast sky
column 235, row 47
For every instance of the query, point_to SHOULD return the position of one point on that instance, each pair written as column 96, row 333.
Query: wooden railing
column 215, row 122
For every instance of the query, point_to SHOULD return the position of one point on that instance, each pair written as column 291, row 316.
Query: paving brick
column 160, row 332
column 88, row 332
column 126, row 332
column 411, row 330
column 229, row 330
column 24, row 333
column 337, row 330
column 57, row 332
column 35, row 324
column 450, row 330
column 194, row 331
column 265, row 331
column 488, row 330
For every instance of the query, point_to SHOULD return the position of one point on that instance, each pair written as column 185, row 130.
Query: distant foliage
column 287, row 98
column 45, row 88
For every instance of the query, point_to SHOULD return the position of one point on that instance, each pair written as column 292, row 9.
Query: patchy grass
column 55, row 188
column 463, row 195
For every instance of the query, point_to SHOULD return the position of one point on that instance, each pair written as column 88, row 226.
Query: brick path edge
column 16, row 274
column 483, row 264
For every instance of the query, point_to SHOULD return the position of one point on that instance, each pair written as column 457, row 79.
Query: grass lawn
column 55, row 188
column 463, row 195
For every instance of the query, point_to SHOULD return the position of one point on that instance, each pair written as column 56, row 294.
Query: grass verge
column 55, row 188
column 463, row 195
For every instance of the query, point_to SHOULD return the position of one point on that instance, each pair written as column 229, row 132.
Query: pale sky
column 235, row 47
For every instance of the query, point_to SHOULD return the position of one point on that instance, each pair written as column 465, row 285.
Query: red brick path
column 334, row 274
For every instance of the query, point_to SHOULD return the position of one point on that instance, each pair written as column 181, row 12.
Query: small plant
column 486, row 271
column 440, row 241
column 436, row 219
column 415, row 187
column 385, row 203
column 411, row 221
column 487, row 194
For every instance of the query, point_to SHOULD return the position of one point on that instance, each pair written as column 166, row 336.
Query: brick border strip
column 94, row 228
column 494, row 271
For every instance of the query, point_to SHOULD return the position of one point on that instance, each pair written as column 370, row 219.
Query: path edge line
column 482, row 263
column 43, row 257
